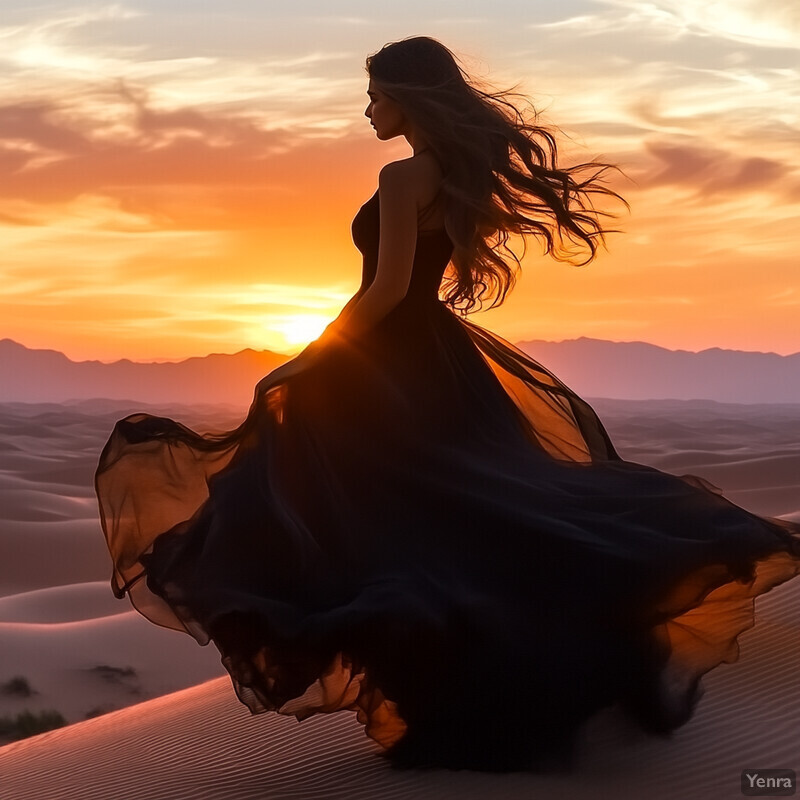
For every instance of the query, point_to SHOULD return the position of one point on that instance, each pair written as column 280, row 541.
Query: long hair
column 501, row 171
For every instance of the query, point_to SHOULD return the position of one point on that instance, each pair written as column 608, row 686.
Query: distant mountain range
column 36, row 376
column 640, row 371
column 592, row 367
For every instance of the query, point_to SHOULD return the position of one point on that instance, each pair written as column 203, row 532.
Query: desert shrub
column 114, row 674
column 28, row 724
column 18, row 685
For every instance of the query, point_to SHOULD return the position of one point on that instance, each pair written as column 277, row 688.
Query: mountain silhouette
column 641, row 371
column 592, row 367
column 35, row 376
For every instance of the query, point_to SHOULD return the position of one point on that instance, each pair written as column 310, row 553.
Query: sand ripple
column 200, row 743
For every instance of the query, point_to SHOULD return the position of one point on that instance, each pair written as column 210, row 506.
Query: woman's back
column 432, row 248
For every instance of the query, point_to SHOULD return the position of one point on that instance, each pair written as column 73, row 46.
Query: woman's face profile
column 384, row 113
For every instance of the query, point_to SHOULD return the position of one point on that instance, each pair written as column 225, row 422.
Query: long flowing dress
column 428, row 528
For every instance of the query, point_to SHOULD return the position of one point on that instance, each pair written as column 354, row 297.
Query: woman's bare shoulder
column 420, row 174
column 423, row 167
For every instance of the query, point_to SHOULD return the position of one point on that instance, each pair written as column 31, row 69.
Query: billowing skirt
column 428, row 528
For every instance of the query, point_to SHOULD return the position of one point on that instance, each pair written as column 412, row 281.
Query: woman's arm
column 397, row 189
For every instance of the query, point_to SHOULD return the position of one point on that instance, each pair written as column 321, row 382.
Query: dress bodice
column 431, row 257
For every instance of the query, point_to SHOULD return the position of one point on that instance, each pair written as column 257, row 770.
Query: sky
column 178, row 177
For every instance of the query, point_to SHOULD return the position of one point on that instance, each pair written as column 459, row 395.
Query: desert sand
column 82, row 651
column 176, row 730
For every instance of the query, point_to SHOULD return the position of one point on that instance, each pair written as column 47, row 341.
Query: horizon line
column 290, row 355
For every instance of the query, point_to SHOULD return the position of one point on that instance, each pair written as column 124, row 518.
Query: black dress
column 427, row 527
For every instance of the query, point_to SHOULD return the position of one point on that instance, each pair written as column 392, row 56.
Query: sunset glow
column 299, row 329
column 177, row 180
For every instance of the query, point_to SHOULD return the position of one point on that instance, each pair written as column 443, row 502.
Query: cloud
column 50, row 154
column 709, row 169
column 752, row 22
column 644, row 18
column 74, row 56
column 765, row 24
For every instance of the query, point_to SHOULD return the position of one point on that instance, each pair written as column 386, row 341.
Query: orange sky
column 174, row 183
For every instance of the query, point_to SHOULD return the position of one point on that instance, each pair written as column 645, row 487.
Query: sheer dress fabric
column 425, row 526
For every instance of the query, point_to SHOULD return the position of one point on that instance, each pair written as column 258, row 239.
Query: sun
column 300, row 329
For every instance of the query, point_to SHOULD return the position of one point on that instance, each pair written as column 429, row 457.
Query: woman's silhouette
column 415, row 520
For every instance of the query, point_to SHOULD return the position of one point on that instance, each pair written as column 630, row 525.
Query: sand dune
column 97, row 665
column 49, row 530
column 36, row 555
column 200, row 743
column 81, row 650
column 71, row 603
column 751, row 452
column 84, row 652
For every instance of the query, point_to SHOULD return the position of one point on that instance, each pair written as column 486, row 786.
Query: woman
column 418, row 522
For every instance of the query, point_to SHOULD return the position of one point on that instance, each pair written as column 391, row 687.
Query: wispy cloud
column 754, row 22
column 773, row 24
column 40, row 54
